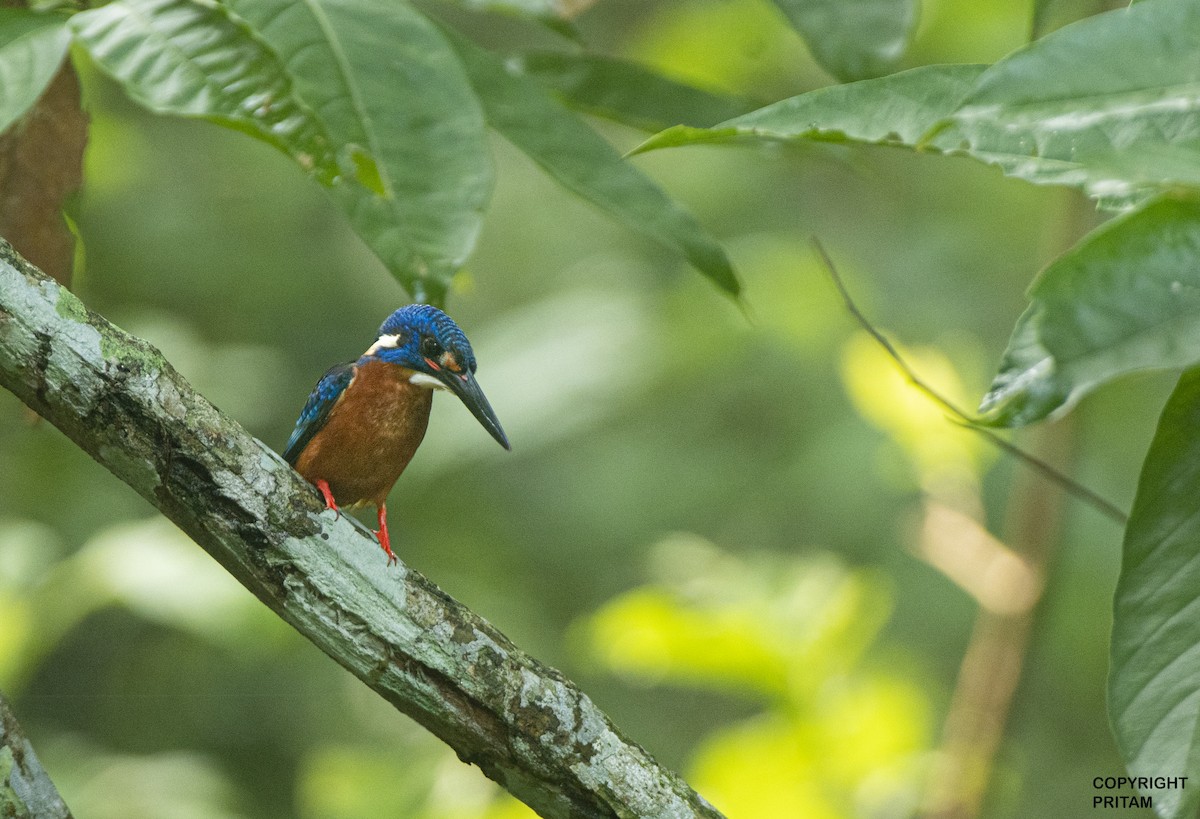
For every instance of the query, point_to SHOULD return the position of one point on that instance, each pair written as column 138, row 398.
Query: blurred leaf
column 28, row 553
column 734, row 46
column 357, row 782
column 941, row 451
column 791, row 633
column 649, row 632
column 854, row 751
column 155, row 570
column 521, row 110
column 1110, row 104
column 1126, row 298
column 40, row 602
column 148, row 566
column 894, row 110
column 625, row 91
column 853, row 39
column 32, row 46
column 407, row 775
column 366, row 97
column 167, row 785
column 1154, row 683
column 762, row 768
column 775, row 631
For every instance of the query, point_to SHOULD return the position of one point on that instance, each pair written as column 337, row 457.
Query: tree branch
column 26, row 791
column 521, row 722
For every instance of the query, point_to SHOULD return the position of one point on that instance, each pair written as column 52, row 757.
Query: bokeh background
column 718, row 522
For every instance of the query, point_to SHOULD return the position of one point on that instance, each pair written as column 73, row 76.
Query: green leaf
column 1126, row 298
column 624, row 91
column 393, row 95
column 32, row 47
column 896, row 110
column 1110, row 104
column 182, row 58
column 853, row 39
column 367, row 97
column 521, row 110
column 1154, row 682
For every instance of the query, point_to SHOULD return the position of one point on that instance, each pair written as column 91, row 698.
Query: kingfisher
column 364, row 420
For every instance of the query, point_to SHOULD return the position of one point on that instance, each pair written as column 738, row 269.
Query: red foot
column 330, row 503
column 384, row 541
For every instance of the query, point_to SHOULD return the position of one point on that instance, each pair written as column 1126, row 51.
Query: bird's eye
column 430, row 348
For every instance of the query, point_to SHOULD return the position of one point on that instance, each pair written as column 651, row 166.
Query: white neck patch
column 381, row 342
column 426, row 381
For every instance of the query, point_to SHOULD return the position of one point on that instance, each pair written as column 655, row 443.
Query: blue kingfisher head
column 422, row 338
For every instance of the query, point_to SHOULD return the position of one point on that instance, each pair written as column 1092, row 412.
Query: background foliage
column 740, row 529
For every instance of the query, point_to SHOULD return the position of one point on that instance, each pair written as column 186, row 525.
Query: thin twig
column 991, row 667
column 1067, row 483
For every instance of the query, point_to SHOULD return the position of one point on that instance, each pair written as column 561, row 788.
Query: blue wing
column 316, row 411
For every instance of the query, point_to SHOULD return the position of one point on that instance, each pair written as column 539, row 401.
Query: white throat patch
column 426, row 381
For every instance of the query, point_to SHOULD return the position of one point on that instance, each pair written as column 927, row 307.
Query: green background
column 708, row 519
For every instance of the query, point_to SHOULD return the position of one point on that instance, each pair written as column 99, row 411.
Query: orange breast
column 370, row 436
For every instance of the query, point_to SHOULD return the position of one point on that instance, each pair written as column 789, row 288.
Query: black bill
column 467, row 389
